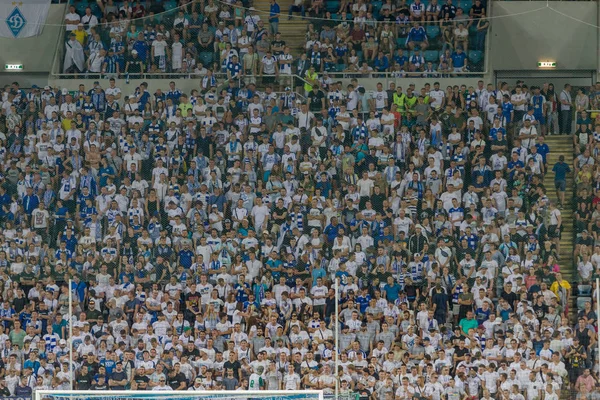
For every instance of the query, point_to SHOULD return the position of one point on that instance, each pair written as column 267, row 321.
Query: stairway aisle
column 292, row 31
column 563, row 145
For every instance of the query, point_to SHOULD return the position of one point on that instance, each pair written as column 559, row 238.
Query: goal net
column 178, row 395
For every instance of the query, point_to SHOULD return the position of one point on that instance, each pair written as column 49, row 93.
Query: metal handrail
column 188, row 75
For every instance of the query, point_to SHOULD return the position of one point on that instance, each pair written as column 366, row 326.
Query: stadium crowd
column 195, row 37
column 204, row 231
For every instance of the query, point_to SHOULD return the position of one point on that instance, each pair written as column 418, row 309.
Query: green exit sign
column 13, row 67
column 547, row 64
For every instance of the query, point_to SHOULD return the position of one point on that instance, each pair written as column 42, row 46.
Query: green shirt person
column 468, row 323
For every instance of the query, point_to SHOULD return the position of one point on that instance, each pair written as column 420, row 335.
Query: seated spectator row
column 132, row 39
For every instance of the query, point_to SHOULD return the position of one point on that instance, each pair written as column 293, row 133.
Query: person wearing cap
column 158, row 52
column 135, row 65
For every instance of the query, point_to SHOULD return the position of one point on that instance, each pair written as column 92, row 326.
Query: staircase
column 563, row 145
column 293, row 31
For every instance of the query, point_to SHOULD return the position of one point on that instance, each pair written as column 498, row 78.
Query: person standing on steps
column 561, row 169
column 274, row 11
column 297, row 6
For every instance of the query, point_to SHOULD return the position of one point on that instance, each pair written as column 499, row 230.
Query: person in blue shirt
column 538, row 103
column 363, row 300
column 141, row 47
column 561, row 169
column 514, row 165
column 274, row 11
column 392, row 290
column 186, row 257
column 174, row 94
column 242, row 289
column 234, row 68
column 495, row 129
column 401, row 59
column 331, row 230
column 79, row 287
column 417, row 37
column 381, row 63
column 482, row 314
column 507, row 111
column 459, row 60
column 30, row 201
column 342, row 274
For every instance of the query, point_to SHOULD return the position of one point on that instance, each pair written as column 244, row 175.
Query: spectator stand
column 168, row 38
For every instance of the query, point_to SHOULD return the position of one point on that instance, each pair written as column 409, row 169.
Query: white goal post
column 178, row 395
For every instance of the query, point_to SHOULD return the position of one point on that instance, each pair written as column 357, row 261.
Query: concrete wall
column 35, row 53
column 520, row 41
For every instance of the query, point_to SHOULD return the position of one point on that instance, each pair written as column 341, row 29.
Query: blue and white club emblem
column 16, row 21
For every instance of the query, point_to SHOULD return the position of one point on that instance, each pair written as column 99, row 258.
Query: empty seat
column 431, row 55
column 475, row 56
column 81, row 6
column 465, row 5
column 332, row 6
column 584, row 290
column 170, row 4
column 433, row 31
column 206, row 58
column 581, row 302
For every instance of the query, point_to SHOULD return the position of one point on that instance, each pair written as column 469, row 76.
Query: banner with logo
column 23, row 18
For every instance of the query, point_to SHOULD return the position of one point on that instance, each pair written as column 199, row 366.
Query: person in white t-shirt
column 365, row 186
column 72, row 19
column 176, row 52
column 437, row 96
column 379, row 98
column 159, row 49
column 291, row 380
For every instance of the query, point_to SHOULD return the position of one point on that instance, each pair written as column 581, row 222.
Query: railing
column 344, row 74
column 342, row 396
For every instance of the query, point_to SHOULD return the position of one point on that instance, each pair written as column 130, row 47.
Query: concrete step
column 293, row 31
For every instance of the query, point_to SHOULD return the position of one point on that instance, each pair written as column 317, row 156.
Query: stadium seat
column 433, row 31
column 431, row 55
column 584, row 290
column 581, row 302
column 475, row 56
column 81, row 6
column 206, row 58
column 340, row 67
column 465, row 5
column 170, row 4
column 376, row 5
column 96, row 9
column 332, row 6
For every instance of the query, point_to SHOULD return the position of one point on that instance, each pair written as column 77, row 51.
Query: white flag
column 23, row 18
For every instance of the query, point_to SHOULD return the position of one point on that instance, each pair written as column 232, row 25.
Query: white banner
column 23, row 18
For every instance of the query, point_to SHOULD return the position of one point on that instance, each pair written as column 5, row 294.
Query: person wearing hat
column 158, row 52
column 134, row 66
